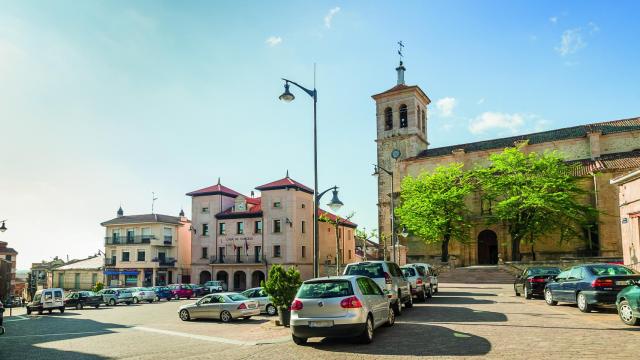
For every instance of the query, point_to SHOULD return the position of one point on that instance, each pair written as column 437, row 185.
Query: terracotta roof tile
column 333, row 217
column 215, row 190
column 617, row 161
column 284, row 183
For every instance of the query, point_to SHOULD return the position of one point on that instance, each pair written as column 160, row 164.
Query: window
column 424, row 119
column 125, row 256
column 388, row 119
column 205, row 253
column 205, row 229
column 277, row 204
column 419, row 112
column 146, row 235
column 485, row 207
column 141, row 255
column 365, row 286
column 276, row 251
column 257, row 227
column 76, row 281
column 115, row 236
column 303, row 206
column 276, row 226
column 240, row 228
column 94, row 279
column 222, row 229
column 130, row 235
column 205, row 210
column 221, row 250
column 303, row 226
column 304, row 251
column 168, row 235
column 404, row 121
column 8, row 257
column 576, row 274
column 349, row 253
column 324, row 289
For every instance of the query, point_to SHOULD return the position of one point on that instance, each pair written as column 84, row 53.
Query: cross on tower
column 400, row 47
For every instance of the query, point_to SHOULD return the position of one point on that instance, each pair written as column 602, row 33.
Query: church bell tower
column 401, row 120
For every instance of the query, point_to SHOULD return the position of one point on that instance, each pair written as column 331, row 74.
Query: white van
column 47, row 299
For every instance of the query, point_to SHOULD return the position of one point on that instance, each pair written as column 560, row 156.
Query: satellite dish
column 395, row 154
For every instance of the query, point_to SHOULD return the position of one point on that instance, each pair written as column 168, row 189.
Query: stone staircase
column 479, row 274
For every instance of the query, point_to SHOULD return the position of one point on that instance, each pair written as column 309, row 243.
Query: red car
column 181, row 291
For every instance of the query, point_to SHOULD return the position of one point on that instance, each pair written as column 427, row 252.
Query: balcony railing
column 235, row 259
column 109, row 262
column 168, row 240
column 138, row 239
column 165, row 261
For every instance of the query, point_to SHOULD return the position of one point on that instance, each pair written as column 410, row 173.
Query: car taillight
column 242, row 306
column 602, row 283
column 387, row 278
column 296, row 305
column 419, row 282
column 351, row 303
column 534, row 280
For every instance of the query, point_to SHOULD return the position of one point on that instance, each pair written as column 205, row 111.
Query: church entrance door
column 487, row 248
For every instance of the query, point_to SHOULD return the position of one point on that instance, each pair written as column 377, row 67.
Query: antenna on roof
column 218, row 180
column 287, row 173
column 153, row 200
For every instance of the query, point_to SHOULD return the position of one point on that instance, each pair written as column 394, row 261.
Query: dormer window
column 404, row 121
column 388, row 119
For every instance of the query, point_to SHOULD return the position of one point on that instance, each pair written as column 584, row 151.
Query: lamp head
column 404, row 231
column 376, row 172
column 287, row 96
column 3, row 227
column 335, row 204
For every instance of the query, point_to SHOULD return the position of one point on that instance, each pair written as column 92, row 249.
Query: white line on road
column 59, row 334
column 211, row 338
column 17, row 318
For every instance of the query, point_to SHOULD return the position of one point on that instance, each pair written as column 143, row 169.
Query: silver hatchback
column 223, row 306
column 343, row 306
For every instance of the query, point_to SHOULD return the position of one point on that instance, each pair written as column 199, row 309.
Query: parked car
column 198, row 290
column 179, row 291
column 628, row 304
column 531, row 281
column 420, row 283
column 343, row 306
column 162, row 292
column 80, row 299
column 389, row 277
column 143, row 294
column 223, row 306
column 116, row 296
column 258, row 294
column 214, row 286
column 47, row 299
column 433, row 275
column 589, row 285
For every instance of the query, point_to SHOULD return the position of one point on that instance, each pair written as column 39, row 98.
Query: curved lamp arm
column 313, row 93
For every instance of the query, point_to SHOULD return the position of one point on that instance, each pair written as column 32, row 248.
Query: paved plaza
column 462, row 321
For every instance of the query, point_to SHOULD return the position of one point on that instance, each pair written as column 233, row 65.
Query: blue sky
column 102, row 103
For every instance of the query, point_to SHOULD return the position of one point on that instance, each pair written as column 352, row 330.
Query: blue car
column 589, row 285
column 162, row 292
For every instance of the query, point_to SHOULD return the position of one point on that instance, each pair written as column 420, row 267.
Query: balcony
column 165, row 261
column 124, row 240
column 168, row 240
column 235, row 259
column 109, row 262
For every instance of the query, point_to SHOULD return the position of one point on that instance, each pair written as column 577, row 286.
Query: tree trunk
column 445, row 248
column 533, row 252
column 515, row 248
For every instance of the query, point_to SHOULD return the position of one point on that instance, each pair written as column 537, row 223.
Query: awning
column 125, row 272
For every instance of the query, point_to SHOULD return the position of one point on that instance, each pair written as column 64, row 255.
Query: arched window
column 404, row 122
column 388, row 119
column 424, row 119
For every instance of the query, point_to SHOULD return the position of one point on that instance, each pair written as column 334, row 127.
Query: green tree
column 534, row 195
column 98, row 286
column 282, row 285
column 433, row 206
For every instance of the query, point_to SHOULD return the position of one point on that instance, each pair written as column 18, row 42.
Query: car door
column 214, row 307
column 555, row 286
column 570, row 285
column 520, row 281
column 379, row 302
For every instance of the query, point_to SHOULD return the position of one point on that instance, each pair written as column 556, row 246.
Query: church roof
column 619, row 161
column 402, row 87
column 607, row 127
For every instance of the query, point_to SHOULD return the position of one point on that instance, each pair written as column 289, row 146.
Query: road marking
column 212, row 338
column 17, row 318
column 58, row 334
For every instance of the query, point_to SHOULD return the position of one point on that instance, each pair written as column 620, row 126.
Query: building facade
column 237, row 238
column 629, row 185
column 79, row 275
column 602, row 151
column 8, row 279
column 147, row 250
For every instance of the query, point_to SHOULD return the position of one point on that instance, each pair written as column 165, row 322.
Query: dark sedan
column 81, row 299
column 533, row 280
column 589, row 285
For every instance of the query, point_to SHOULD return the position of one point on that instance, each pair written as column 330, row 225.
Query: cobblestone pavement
column 462, row 321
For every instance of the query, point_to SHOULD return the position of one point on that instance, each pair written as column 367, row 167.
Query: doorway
column 487, row 248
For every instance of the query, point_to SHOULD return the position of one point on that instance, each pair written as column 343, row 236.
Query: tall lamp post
column 376, row 172
column 287, row 96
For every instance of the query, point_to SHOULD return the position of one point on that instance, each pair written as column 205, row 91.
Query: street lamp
column 404, row 232
column 3, row 227
column 376, row 172
column 287, row 96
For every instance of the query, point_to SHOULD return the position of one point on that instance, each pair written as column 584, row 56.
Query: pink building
column 630, row 217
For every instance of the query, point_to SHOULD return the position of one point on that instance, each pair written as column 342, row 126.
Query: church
column 602, row 151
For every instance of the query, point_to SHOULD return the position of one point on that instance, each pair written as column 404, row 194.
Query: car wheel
column 422, row 296
column 298, row 340
column 97, row 306
column 583, row 305
column 397, row 308
column 271, row 310
column 28, row 311
column 40, row 312
column 135, row 300
column 1, row 330
column 515, row 288
column 112, row 302
column 176, row 297
column 548, row 298
column 391, row 317
column 367, row 335
column 184, row 315
column 78, row 306
column 61, row 310
column 157, row 298
column 430, row 292
column 128, row 303
column 626, row 314
column 246, row 317
column 526, row 293
column 225, row 316
column 409, row 303
column 50, row 311
column 150, row 301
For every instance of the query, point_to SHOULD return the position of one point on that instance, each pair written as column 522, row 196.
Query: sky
column 104, row 102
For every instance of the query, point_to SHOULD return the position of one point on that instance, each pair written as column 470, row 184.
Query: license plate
column 622, row 282
column 326, row 323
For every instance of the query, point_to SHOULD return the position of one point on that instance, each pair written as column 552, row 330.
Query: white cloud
column 480, row 101
column 570, row 42
column 553, row 19
column 273, row 41
column 497, row 121
column 446, row 105
column 329, row 17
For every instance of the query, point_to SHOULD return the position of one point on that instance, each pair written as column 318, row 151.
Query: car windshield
column 408, row 272
column 237, row 297
column 372, row 270
column 605, row 270
column 325, row 289
column 544, row 271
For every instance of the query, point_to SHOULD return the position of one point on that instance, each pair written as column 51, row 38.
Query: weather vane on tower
column 400, row 48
